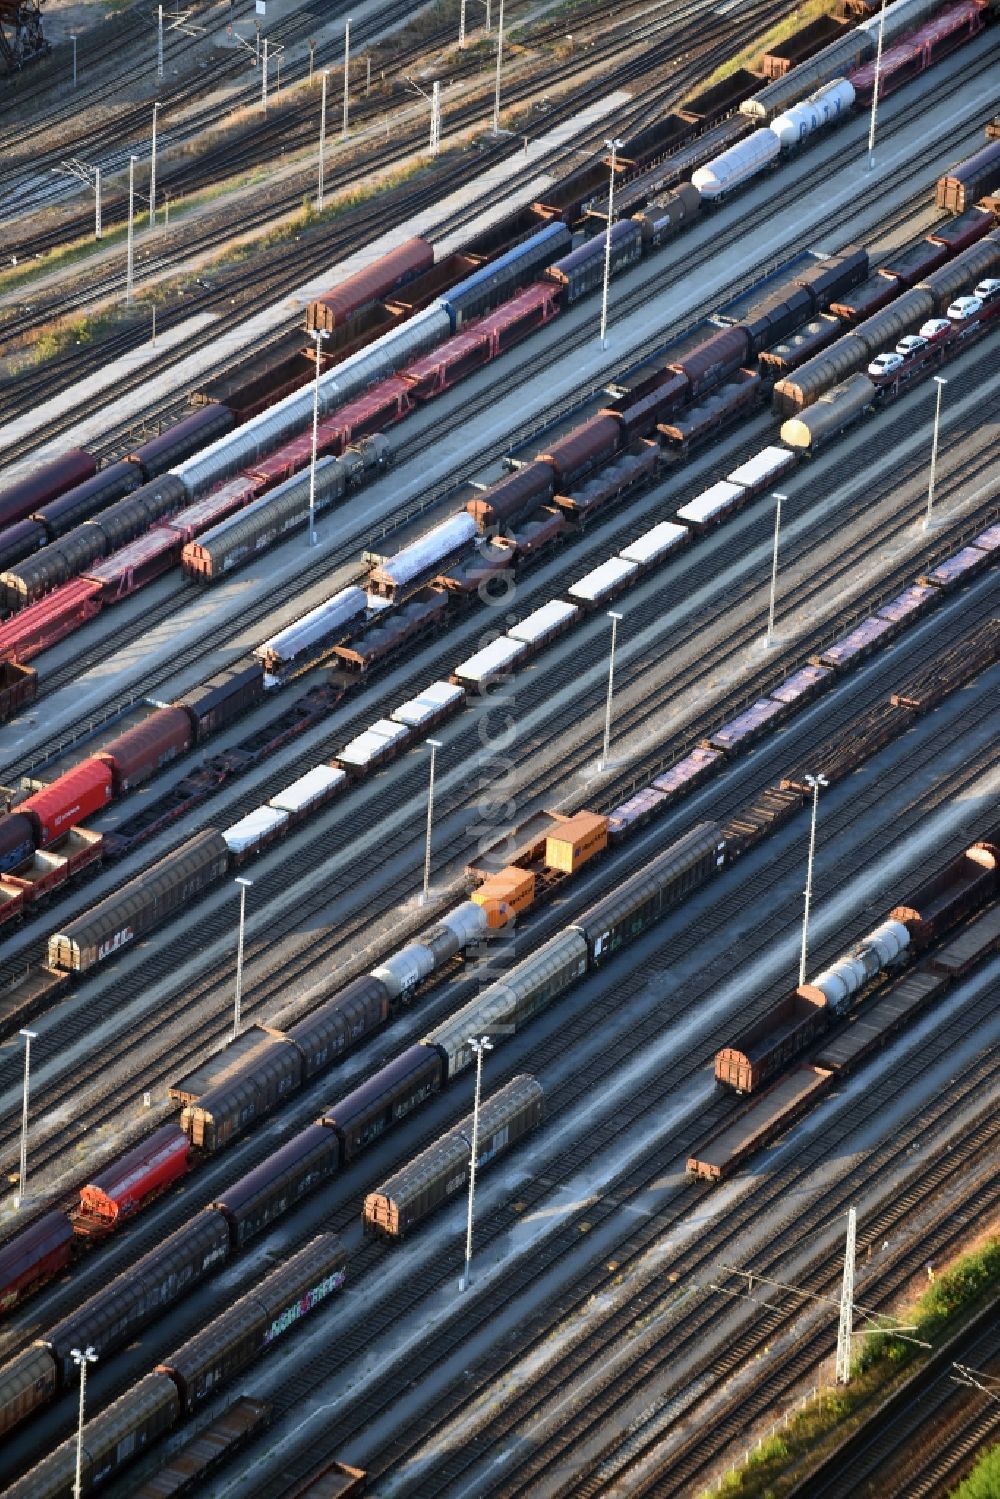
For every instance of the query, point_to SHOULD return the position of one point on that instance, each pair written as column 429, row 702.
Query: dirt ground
column 61, row 18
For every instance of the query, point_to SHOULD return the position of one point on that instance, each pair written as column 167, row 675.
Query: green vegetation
column 809, row 10
column 984, row 1480
column 66, row 332
column 880, row 1365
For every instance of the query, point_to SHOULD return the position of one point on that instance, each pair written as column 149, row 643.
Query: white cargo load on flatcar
column 713, row 502
column 315, row 786
column 319, row 624
column 427, row 551
column 602, row 581
column 545, row 622
column 491, row 662
column 374, row 744
column 434, row 700
column 262, row 822
column 655, row 543
column 763, row 468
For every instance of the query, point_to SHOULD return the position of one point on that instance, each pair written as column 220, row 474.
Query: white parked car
column 936, row 329
column 886, row 364
column 988, row 291
column 963, row 308
column 910, row 345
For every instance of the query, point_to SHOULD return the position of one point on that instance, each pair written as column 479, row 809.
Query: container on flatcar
column 529, row 987
column 112, row 1316
column 654, row 545
column 712, row 505
column 395, row 1091
column 223, row 698
column 110, row 1441
column 440, row 1171
column 230, row 1343
column 760, row 471
column 505, row 894
column 644, row 898
column 33, row 1256
column 143, row 750
column 45, row 483
column 430, row 707
column 544, row 624
column 268, row 1191
column 245, row 1095
column 124, row 1187
column 141, row 904
column 576, row 841
column 490, row 664
column 75, row 796
column 603, row 583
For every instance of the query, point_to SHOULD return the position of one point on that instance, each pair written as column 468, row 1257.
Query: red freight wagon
column 34, row 1256
column 49, row 620
column 218, row 505
column 450, row 361
column 137, row 564
column 389, row 272
column 45, row 484
column 387, row 402
column 127, row 1185
column 289, row 459
column 143, row 750
column 72, row 798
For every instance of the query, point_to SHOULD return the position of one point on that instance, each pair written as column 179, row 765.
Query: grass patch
column 882, row 1362
column 984, row 1480
column 809, row 10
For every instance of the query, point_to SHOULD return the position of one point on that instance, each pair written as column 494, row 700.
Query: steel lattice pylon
column 21, row 39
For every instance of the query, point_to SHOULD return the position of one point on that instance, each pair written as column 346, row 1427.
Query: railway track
column 145, row 617
column 90, row 1105
column 658, row 50
column 932, row 1429
column 372, row 1400
column 576, row 1029
column 690, row 637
